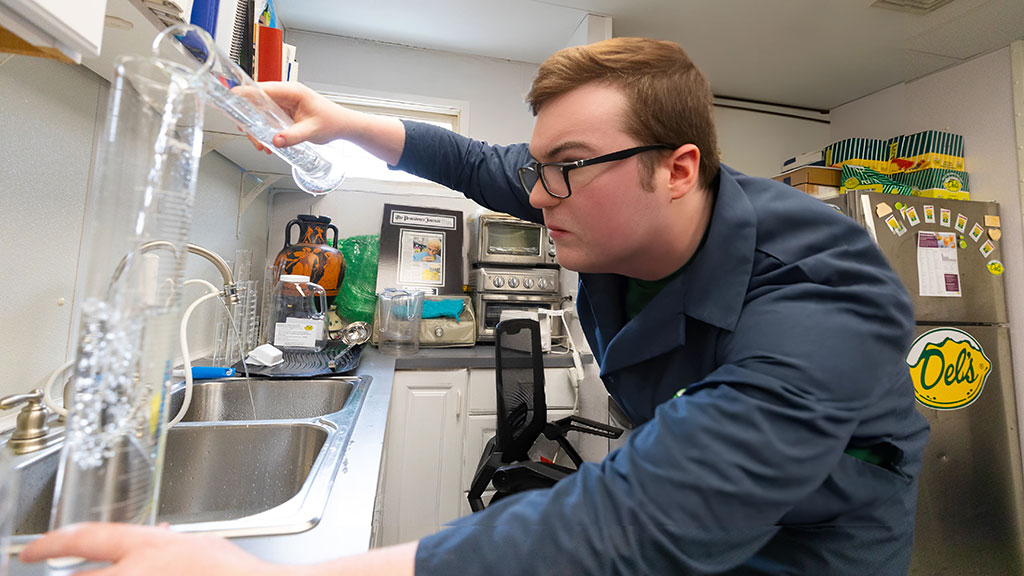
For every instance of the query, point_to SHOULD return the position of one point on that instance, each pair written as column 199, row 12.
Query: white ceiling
column 811, row 53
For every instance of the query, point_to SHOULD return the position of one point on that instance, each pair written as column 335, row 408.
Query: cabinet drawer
column 558, row 390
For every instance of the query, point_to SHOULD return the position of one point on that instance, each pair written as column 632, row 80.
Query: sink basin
column 226, row 471
column 211, row 473
column 235, row 399
column 217, row 473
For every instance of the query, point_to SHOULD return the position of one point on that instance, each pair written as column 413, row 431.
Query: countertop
column 479, row 356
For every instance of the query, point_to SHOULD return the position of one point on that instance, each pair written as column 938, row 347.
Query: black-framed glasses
column 554, row 176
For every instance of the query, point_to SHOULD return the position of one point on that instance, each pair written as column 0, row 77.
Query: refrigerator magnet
column 951, row 357
column 944, row 217
column 995, row 267
column 882, row 209
column 929, row 213
column 893, row 224
column 992, row 221
column 987, row 248
column 976, row 232
column 912, row 217
column 961, row 222
column 994, row 234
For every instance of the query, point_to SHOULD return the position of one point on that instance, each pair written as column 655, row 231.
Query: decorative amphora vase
column 313, row 255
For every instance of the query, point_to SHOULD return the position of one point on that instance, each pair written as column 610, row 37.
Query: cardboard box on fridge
column 928, row 149
column 937, row 183
column 819, row 191
column 858, row 178
column 865, row 152
column 820, row 175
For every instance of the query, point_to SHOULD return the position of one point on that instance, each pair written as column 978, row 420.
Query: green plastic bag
column 357, row 297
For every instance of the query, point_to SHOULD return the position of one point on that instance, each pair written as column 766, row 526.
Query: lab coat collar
column 710, row 289
column 717, row 278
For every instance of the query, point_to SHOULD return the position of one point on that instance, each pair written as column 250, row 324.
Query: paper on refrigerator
column 938, row 269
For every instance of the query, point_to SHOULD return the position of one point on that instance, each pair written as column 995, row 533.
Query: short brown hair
column 670, row 100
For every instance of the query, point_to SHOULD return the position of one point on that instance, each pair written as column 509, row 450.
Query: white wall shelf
column 130, row 32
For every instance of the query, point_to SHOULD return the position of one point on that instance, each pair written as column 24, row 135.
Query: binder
column 204, row 15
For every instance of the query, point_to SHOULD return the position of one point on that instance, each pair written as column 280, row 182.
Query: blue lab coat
column 788, row 331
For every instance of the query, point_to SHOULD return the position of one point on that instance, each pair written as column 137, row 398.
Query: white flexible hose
column 48, row 392
column 213, row 291
column 183, row 337
column 577, row 363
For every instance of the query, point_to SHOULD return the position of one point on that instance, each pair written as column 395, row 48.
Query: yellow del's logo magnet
column 948, row 368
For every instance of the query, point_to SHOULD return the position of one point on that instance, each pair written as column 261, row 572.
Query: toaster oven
column 489, row 307
column 505, row 240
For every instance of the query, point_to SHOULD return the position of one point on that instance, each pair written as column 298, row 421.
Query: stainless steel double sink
column 256, row 457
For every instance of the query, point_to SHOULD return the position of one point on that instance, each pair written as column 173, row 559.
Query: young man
column 754, row 336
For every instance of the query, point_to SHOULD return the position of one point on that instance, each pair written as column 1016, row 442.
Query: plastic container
column 298, row 315
column 398, row 320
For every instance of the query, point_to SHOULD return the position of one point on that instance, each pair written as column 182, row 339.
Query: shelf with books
column 131, row 28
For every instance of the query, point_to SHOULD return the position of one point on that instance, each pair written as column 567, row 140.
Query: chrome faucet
column 230, row 290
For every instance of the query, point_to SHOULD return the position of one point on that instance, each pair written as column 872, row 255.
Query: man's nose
column 539, row 197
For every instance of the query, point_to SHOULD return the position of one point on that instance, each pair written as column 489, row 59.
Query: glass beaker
column 138, row 219
column 298, row 314
column 317, row 169
column 398, row 320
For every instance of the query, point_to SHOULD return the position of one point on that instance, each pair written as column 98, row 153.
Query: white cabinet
column 423, row 453
column 437, row 428
column 75, row 28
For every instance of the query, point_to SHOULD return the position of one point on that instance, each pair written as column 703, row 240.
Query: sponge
column 265, row 354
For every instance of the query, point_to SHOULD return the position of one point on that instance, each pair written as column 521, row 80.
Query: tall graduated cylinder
column 138, row 223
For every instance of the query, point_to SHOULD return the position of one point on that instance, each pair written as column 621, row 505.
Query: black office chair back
column 522, row 412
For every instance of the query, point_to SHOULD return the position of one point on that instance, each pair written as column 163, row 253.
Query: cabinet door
column 424, row 453
column 479, row 429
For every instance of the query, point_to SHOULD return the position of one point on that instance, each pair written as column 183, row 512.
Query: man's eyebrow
column 565, row 147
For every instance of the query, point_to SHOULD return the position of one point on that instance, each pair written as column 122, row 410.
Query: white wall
column 50, row 114
column 756, row 143
column 974, row 99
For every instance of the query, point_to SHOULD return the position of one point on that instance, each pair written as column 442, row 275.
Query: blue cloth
column 450, row 307
column 788, row 331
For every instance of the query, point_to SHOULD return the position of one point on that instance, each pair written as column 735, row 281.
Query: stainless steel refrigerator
column 970, row 507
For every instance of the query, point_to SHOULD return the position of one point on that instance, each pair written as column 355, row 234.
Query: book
column 269, row 54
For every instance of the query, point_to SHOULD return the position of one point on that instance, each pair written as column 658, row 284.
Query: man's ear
column 684, row 170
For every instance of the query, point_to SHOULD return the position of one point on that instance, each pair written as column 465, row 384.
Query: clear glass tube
column 316, row 169
column 140, row 215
